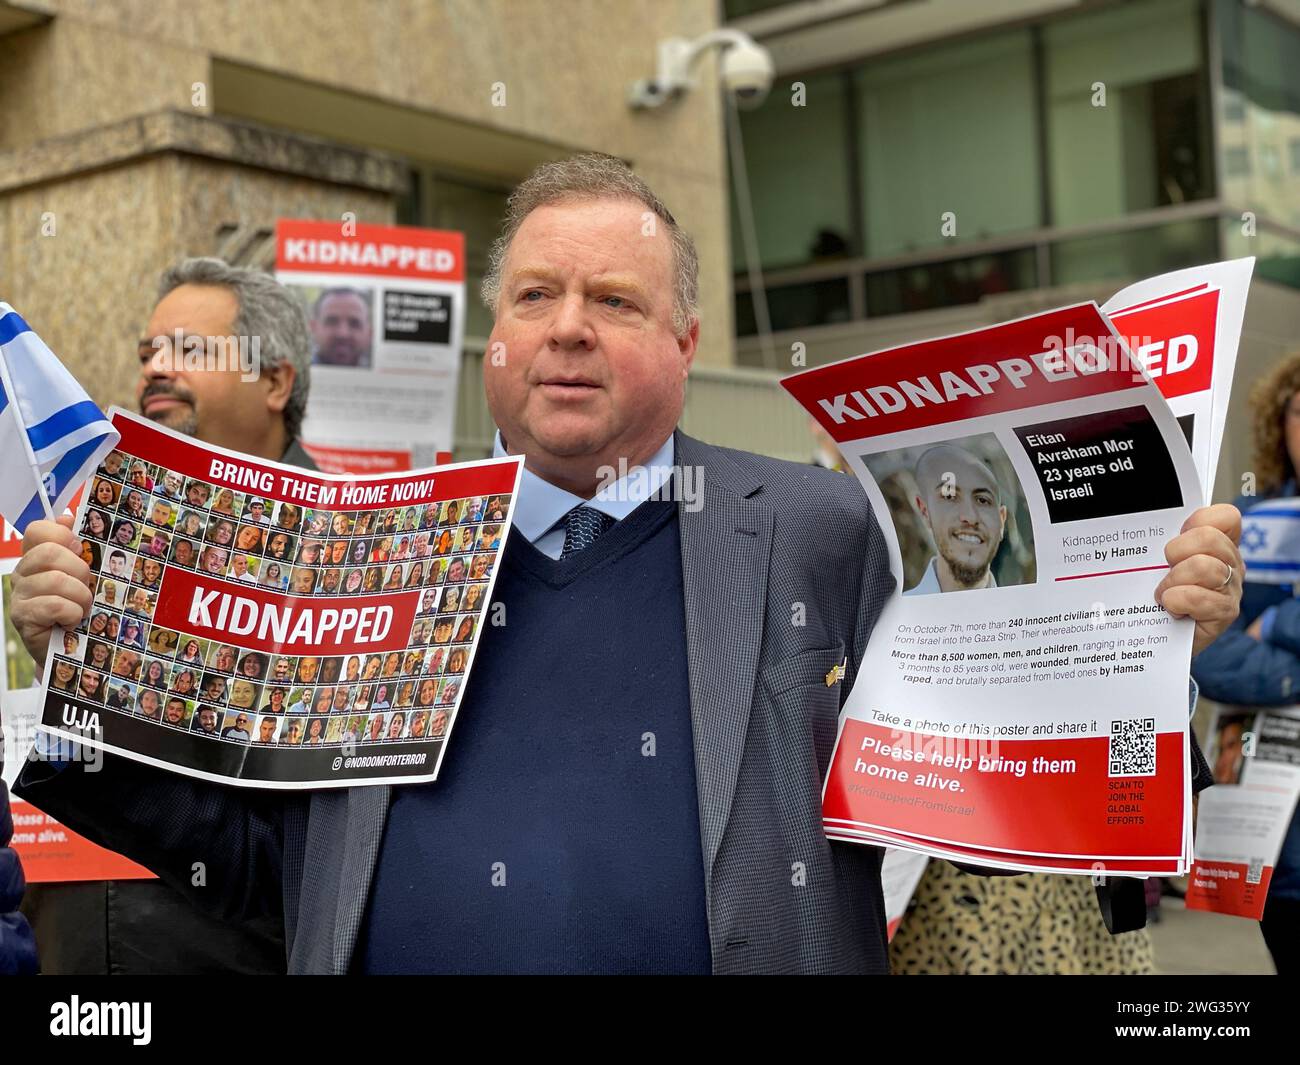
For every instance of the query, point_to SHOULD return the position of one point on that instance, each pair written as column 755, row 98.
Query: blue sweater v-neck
column 562, row 835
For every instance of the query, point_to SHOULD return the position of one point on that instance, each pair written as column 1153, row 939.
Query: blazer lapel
column 367, row 812
column 726, row 547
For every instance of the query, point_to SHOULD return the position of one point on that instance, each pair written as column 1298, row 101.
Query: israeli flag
column 52, row 437
column 1270, row 541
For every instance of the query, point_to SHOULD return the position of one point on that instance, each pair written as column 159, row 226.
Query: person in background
column 1036, row 924
column 17, row 944
column 144, row 926
column 1257, row 661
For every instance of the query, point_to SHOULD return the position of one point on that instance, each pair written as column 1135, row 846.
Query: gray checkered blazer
column 785, row 572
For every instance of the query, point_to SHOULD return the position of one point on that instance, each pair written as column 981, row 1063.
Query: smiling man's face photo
column 961, row 501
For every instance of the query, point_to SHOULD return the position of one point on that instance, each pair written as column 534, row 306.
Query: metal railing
column 1041, row 242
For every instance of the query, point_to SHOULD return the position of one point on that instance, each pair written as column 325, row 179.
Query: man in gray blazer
column 636, row 776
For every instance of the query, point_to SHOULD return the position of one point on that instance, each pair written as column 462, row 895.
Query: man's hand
column 1201, row 559
column 52, row 584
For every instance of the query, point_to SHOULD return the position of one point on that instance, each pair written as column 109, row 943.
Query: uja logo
column 80, row 718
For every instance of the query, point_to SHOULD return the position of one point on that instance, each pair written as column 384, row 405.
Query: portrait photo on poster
column 959, row 514
column 341, row 320
column 1228, row 744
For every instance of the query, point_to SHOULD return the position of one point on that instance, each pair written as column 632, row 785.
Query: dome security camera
column 747, row 72
column 747, row 69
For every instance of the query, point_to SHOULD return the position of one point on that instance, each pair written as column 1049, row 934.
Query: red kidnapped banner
column 1075, row 810
column 387, row 251
column 212, row 608
column 1174, row 340
column 1050, row 358
column 1225, row 887
column 245, row 475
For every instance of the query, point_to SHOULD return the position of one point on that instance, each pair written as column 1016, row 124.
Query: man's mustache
column 170, row 391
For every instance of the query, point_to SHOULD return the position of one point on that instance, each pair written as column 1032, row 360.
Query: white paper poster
column 386, row 309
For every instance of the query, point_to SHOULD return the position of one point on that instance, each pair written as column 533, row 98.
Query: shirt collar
column 929, row 581
column 541, row 504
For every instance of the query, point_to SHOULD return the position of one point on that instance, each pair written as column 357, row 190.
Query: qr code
column 1132, row 750
column 1255, row 871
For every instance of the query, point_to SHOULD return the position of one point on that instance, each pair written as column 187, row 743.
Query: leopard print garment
column 1032, row 924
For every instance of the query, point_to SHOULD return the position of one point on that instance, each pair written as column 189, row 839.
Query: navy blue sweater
column 563, row 832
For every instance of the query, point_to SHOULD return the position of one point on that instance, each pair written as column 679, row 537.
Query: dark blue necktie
column 583, row 526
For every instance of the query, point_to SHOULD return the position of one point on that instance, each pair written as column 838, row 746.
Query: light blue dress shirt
column 541, row 506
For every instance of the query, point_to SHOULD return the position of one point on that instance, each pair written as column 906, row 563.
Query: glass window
column 1127, row 120
column 946, row 284
column 442, row 202
column 1271, row 161
column 740, row 8
column 950, row 129
column 409, row 207
column 477, row 212
column 1135, row 253
column 1277, row 256
column 797, row 155
column 797, row 306
column 1261, row 61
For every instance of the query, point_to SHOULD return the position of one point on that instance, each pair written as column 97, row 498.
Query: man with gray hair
column 635, row 785
column 225, row 358
column 190, row 378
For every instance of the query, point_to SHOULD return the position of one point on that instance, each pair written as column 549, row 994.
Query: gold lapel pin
column 837, row 673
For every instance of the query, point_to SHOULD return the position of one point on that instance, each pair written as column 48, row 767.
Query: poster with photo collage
column 261, row 625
